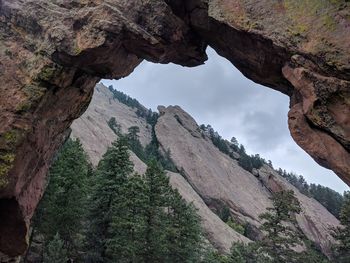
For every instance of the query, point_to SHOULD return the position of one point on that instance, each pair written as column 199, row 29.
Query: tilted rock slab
column 218, row 179
column 96, row 136
column 93, row 131
column 52, row 53
column 216, row 232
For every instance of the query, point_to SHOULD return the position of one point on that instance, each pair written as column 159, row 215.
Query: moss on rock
column 8, row 142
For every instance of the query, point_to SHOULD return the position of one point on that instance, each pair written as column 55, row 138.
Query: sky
column 216, row 93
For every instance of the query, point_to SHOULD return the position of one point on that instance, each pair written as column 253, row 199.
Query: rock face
column 212, row 179
column 92, row 128
column 218, row 179
column 52, row 53
column 95, row 135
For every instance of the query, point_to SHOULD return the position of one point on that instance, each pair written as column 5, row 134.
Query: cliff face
column 95, row 135
column 52, row 53
column 219, row 179
column 212, row 179
column 92, row 127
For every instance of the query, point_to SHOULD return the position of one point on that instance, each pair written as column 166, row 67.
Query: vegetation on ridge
column 124, row 217
column 330, row 199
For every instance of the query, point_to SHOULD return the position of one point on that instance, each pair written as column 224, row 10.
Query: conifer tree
column 134, row 142
column 342, row 234
column 109, row 182
column 63, row 206
column 184, row 231
column 55, row 251
column 126, row 241
column 278, row 226
column 138, row 218
column 158, row 191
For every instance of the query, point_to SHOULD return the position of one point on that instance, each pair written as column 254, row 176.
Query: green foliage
column 281, row 237
column 55, row 251
column 239, row 228
column 109, row 182
column 240, row 253
column 126, row 231
column 342, row 234
column 212, row 256
column 224, row 213
column 248, row 253
column 125, row 99
column 311, row 255
column 134, row 142
column 151, row 151
column 150, row 116
column 112, row 123
column 63, row 206
column 329, row 198
column 138, row 218
column 247, row 162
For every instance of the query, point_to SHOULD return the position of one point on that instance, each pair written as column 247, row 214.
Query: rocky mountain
column 52, row 54
column 205, row 176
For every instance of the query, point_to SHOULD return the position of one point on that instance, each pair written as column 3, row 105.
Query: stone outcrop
column 216, row 232
column 218, row 179
column 95, row 135
column 92, row 128
column 314, row 221
column 52, row 53
column 212, row 178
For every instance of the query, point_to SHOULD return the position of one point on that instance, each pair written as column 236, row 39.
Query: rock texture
column 218, row 234
column 53, row 52
column 92, row 128
column 212, row 178
column 218, row 179
column 95, row 135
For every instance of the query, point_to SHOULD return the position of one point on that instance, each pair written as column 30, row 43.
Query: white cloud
column 218, row 94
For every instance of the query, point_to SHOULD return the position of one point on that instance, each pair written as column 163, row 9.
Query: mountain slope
column 92, row 128
column 219, row 234
column 216, row 176
column 207, row 177
column 95, row 135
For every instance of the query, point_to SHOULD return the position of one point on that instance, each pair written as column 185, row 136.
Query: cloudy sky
column 218, row 94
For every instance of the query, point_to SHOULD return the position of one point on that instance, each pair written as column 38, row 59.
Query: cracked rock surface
column 52, row 53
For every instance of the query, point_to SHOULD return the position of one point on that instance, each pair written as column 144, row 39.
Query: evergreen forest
column 111, row 214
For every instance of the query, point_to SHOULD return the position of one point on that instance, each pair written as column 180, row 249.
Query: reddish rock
column 53, row 52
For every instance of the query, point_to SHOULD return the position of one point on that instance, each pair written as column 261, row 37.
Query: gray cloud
column 218, row 94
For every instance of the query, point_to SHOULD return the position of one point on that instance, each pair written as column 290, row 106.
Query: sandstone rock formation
column 95, row 135
column 218, row 179
column 92, row 128
column 52, row 53
column 212, row 178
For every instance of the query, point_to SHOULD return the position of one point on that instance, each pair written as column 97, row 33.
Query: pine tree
column 139, row 218
column 55, row 251
column 134, row 142
column 158, row 191
column 184, row 231
column 126, row 241
column 116, row 128
column 109, row 182
column 281, row 237
column 64, row 203
column 342, row 234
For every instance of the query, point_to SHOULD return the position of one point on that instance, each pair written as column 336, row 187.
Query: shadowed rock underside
column 52, row 53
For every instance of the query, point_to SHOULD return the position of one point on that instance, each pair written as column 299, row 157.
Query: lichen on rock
column 52, row 53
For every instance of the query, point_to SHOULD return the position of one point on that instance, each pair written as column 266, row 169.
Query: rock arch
column 53, row 52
